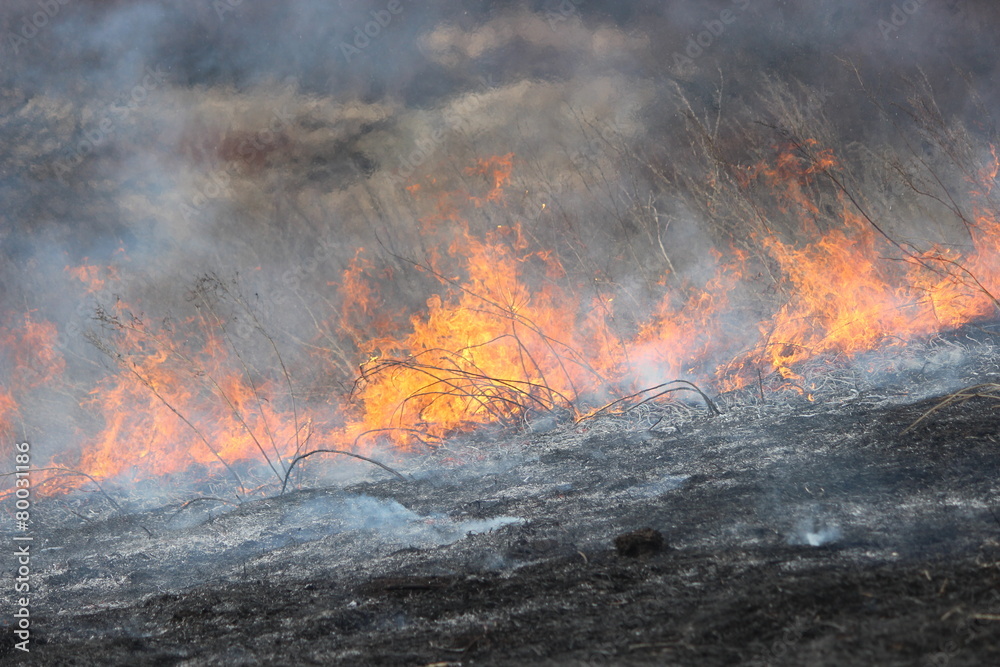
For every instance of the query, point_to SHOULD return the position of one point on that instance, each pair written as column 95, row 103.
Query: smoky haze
column 267, row 144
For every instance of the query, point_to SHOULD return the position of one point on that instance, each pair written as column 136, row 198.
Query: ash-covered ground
column 794, row 532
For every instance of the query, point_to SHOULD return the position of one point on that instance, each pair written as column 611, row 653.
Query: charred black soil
column 803, row 533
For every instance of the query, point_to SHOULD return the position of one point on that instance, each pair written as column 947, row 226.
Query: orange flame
column 8, row 410
column 33, row 353
column 497, row 169
column 94, row 277
column 177, row 406
column 684, row 333
column 509, row 333
column 481, row 352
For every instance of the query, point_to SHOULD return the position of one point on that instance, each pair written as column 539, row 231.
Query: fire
column 845, row 296
column 30, row 360
column 842, row 300
column 497, row 169
column 33, row 352
column 685, row 332
column 482, row 352
column 96, row 278
column 506, row 332
column 180, row 406
column 8, row 410
column 967, row 288
column 364, row 312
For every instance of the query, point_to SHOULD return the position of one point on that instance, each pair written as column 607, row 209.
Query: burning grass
column 475, row 313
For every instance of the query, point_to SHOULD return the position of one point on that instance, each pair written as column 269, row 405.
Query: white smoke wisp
column 815, row 533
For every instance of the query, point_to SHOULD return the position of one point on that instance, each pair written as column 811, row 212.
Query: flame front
column 505, row 333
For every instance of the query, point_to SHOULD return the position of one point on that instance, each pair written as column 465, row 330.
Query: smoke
column 814, row 534
column 266, row 143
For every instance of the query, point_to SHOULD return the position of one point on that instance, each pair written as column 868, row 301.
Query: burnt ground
column 794, row 533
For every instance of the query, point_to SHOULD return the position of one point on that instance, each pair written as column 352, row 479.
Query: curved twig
column 70, row 471
column 302, row 457
column 691, row 387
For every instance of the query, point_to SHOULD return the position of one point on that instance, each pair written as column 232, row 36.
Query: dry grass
column 634, row 221
column 990, row 390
